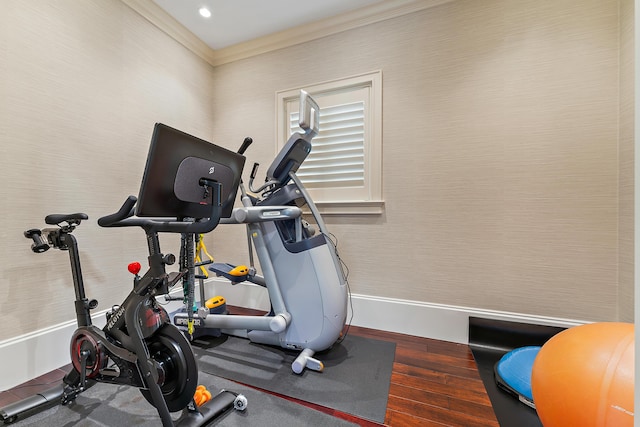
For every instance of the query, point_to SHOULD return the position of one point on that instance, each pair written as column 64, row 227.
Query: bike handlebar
column 125, row 211
column 125, row 217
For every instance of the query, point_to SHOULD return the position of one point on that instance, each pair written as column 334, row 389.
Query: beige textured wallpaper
column 626, row 160
column 502, row 165
column 81, row 85
column 500, row 151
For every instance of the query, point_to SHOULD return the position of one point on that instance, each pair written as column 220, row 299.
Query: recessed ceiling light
column 206, row 13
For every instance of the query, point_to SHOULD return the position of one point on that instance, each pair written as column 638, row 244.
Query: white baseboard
column 34, row 354
column 37, row 353
column 437, row 321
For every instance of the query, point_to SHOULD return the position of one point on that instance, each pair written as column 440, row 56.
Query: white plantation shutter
column 337, row 157
column 343, row 172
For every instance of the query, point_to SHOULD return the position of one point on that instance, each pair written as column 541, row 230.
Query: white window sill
column 375, row 207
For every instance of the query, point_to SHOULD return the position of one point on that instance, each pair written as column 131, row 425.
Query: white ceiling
column 237, row 21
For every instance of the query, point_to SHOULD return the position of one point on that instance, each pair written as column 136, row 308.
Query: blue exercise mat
column 513, row 373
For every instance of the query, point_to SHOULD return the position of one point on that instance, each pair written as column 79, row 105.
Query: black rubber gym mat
column 112, row 405
column 355, row 379
column 489, row 341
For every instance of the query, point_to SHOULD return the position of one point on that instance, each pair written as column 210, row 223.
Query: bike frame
column 137, row 305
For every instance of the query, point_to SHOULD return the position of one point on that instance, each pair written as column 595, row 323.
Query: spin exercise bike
column 301, row 271
column 139, row 347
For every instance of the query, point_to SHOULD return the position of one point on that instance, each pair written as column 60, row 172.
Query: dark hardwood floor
column 434, row 383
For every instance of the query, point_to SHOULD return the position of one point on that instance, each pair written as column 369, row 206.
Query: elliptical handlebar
column 245, row 144
column 125, row 217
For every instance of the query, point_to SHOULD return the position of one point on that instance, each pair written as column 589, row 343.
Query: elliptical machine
column 139, row 346
column 301, row 270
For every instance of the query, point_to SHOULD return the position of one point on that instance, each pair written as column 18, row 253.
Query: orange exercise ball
column 583, row 377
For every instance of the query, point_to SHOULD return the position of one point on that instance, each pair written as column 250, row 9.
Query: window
column 343, row 172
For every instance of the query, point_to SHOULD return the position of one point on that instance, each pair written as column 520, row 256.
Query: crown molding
column 301, row 34
column 153, row 13
column 304, row 33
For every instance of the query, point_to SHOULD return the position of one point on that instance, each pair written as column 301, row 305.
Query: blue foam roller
column 514, row 371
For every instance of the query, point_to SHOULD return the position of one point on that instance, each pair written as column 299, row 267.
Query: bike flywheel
column 178, row 371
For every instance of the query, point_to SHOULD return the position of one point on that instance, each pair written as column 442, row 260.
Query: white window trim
column 375, row 203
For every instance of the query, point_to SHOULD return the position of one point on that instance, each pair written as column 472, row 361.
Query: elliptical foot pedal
column 235, row 273
column 216, row 305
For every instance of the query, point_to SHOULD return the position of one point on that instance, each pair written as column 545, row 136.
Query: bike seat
column 55, row 219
